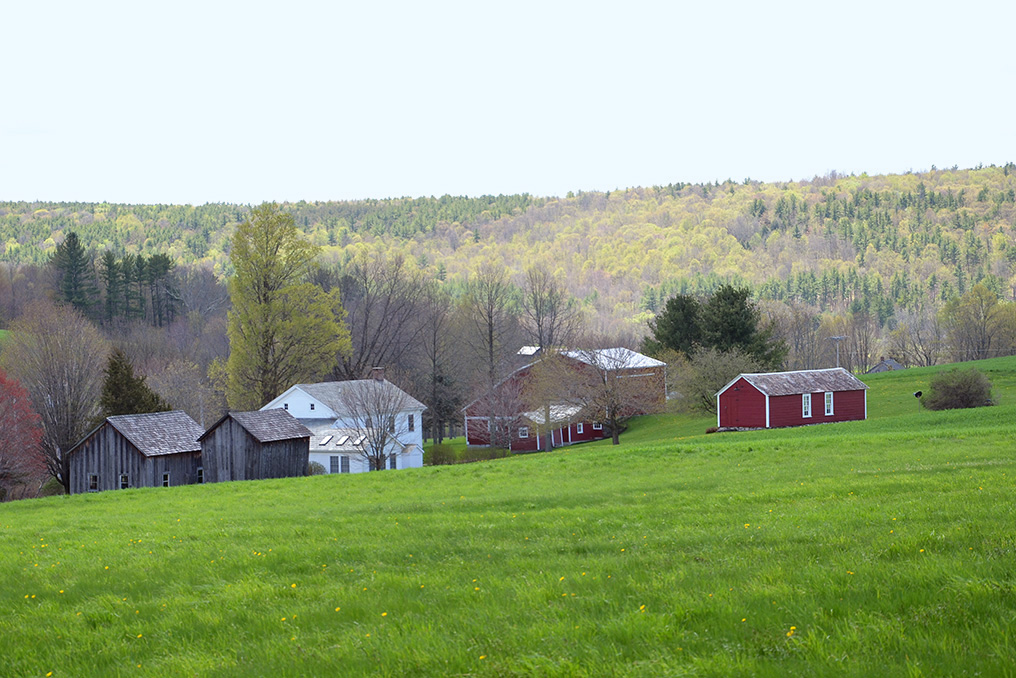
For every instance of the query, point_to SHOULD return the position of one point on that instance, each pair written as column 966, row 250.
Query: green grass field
column 884, row 547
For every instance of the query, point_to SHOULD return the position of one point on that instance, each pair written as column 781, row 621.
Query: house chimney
column 377, row 373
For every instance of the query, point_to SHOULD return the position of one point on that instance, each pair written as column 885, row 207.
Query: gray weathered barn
column 255, row 445
column 137, row 450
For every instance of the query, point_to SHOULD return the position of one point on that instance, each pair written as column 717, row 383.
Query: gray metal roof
column 159, row 433
column 802, row 381
column 269, row 426
column 330, row 393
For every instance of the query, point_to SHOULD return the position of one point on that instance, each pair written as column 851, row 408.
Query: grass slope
column 871, row 548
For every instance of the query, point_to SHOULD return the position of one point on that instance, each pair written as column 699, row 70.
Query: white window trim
column 597, row 426
column 806, row 405
column 165, row 480
column 580, row 428
column 523, row 431
column 829, row 403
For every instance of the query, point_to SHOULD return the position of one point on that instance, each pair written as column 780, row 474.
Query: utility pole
column 837, row 340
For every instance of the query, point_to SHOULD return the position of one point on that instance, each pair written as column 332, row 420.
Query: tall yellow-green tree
column 282, row 329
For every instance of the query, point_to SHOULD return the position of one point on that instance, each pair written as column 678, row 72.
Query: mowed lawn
column 885, row 547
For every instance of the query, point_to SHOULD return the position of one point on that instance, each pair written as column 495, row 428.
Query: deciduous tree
column 20, row 443
column 57, row 355
column 383, row 296
column 282, row 330
column 550, row 317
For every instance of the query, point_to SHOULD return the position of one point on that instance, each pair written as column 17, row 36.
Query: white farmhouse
column 342, row 415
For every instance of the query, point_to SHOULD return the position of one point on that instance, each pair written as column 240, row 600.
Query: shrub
column 709, row 370
column 439, row 454
column 954, row 389
column 315, row 469
column 51, row 488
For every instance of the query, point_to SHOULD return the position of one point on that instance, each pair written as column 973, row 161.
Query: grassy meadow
column 884, row 547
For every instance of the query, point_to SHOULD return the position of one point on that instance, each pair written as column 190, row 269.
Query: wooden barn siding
column 223, row 458
column 107, row 454
column 230, row 453
column 787, row 410
column 745, row 406
column 280, row 459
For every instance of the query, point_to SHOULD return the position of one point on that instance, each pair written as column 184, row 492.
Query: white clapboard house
column 339, row 414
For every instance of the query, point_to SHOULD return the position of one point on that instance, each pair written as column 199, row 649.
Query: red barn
column 567, row 412
column 775, row 399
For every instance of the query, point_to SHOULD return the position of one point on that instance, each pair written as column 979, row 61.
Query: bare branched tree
column 550, row 317
column 437, row 378
column 374, row 409
column 489, row 306
column 58, row 357
column 382, row 296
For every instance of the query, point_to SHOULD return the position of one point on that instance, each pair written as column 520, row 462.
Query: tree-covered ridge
column 30, row 230
column 879, row 244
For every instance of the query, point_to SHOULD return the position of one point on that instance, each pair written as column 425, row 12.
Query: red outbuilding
column 776, row 399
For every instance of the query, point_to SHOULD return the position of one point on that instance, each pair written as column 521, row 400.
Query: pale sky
column 195, row 102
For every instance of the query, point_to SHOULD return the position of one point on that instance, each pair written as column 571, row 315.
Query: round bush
column 315, row 469
column 955, row 389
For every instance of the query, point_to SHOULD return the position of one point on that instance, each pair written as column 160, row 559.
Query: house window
column 124, row 481
column 345, row 464
column 391, row 462
column 391, row 424
column 312, row 406
column 93, row 482
column 829, row 403
column 165, row 480
column 523, row 432
column 201, row 475
column 806, row 405
column 412, row 424
column 597, row 426
column 285, row 406
column 580, row 428
column 333, row 464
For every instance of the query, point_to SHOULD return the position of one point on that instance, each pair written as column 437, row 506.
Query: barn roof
column 266, row 426
column 800, row 381
column 330, row 393
column 619, row 358
column 159, row 433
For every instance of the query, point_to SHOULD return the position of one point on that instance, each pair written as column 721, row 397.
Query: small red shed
column 776, row 399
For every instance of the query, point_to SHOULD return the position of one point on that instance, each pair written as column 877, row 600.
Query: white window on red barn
column 580, row 427
column 806, row 405
column 523, row 432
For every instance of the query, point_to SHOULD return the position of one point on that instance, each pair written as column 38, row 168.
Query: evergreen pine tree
column 123, row 392
column 74, row 270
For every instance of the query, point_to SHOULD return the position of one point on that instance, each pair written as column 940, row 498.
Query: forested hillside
column 883, row 243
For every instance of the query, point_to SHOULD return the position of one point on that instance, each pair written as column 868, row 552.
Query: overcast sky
column 195, row 102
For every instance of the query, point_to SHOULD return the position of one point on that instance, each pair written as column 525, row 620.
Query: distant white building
column 340, row 439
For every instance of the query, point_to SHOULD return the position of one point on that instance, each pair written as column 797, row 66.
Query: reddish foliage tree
column 21, row 457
